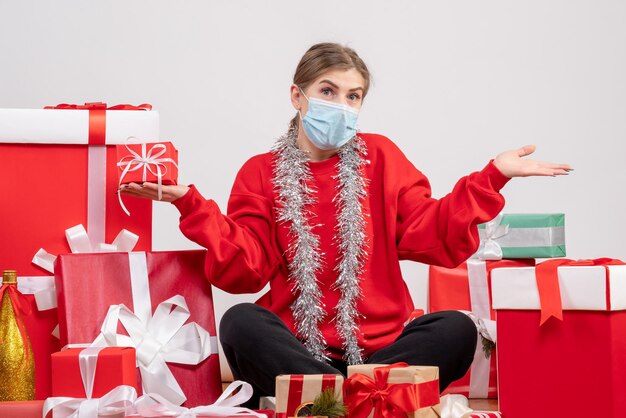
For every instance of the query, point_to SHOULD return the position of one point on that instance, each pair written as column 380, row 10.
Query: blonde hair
column 323, row 57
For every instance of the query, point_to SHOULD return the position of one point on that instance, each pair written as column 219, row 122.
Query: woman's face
column 338, row 86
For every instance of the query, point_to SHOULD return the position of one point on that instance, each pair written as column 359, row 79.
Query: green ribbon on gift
column 537, row 235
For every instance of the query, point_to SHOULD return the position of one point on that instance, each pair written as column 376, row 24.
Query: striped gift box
column 294, row 390
column 527, row 235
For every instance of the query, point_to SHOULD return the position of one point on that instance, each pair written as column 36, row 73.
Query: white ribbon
column 140, row 286
column 454, row 406
column 163, row 339
column 489, row 249
column 486, row 327
column 480, row 314
column 154, row 405
column 457, row 406
column 118, row 401
column 87, row 362
column 481, row 366
column 159, row 338
column 548, row 236
column 42, row 287
column 145, row 162
column 96, row 192
column 496, row 236
column 79, row 241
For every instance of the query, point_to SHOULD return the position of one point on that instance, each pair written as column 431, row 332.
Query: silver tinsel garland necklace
column 292, row 178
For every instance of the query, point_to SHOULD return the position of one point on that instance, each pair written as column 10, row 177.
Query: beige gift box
column 293, row 390
column 424, row 378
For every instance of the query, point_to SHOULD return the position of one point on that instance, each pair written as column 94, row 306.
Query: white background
column 454, row 83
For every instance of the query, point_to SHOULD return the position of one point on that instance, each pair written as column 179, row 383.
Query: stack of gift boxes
column 372, row 391
column 508, row 241
column 137, row 326
column 551, row 340
column 131, row 321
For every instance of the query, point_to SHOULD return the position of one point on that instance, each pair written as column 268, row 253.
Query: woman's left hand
column 511, row 164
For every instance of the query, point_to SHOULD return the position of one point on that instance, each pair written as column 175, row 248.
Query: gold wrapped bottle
column 17, row 364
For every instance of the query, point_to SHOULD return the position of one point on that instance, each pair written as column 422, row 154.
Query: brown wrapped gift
column 407, row 391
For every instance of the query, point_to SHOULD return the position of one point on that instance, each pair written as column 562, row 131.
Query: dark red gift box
column 88, row 284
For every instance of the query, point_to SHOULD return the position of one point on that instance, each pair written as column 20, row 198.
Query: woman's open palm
column 512, row 164
column 150, row 191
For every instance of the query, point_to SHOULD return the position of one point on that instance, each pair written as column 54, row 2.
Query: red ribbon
column 548, row 283
column 101, row 106
column 97, row 117
column 363, row 394
column 296, row 388
column 20, row 306
column 294, row 399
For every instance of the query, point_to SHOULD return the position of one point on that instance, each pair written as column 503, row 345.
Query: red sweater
column 246, row 247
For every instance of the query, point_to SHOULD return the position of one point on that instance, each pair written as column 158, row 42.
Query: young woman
column 325, row 219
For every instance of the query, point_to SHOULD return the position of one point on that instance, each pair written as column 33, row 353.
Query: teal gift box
column 524, row 235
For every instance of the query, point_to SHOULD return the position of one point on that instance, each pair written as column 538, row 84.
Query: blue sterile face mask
column 329, row 125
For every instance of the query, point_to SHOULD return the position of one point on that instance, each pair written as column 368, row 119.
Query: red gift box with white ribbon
column 468, row 288
column 158, row 302
column 152, row 162
column 155, row 162
column 561, row 337
column 55, row 175
column 123, row 401
column 92, row 372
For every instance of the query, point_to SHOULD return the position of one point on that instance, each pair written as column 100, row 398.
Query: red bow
column 101, row 106
column 548, row 283
column 97, row 117
column 362, row 394
column 20, row 306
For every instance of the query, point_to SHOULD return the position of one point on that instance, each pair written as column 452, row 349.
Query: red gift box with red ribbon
column 55, row 175
column 468, row 288
column 103, row 369
column 390, row 391
column 561, row 338
column 158, row 302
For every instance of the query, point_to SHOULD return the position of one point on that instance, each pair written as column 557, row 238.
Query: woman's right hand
column 149, row 191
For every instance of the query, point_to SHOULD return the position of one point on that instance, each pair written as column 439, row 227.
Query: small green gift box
column 524, row 235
